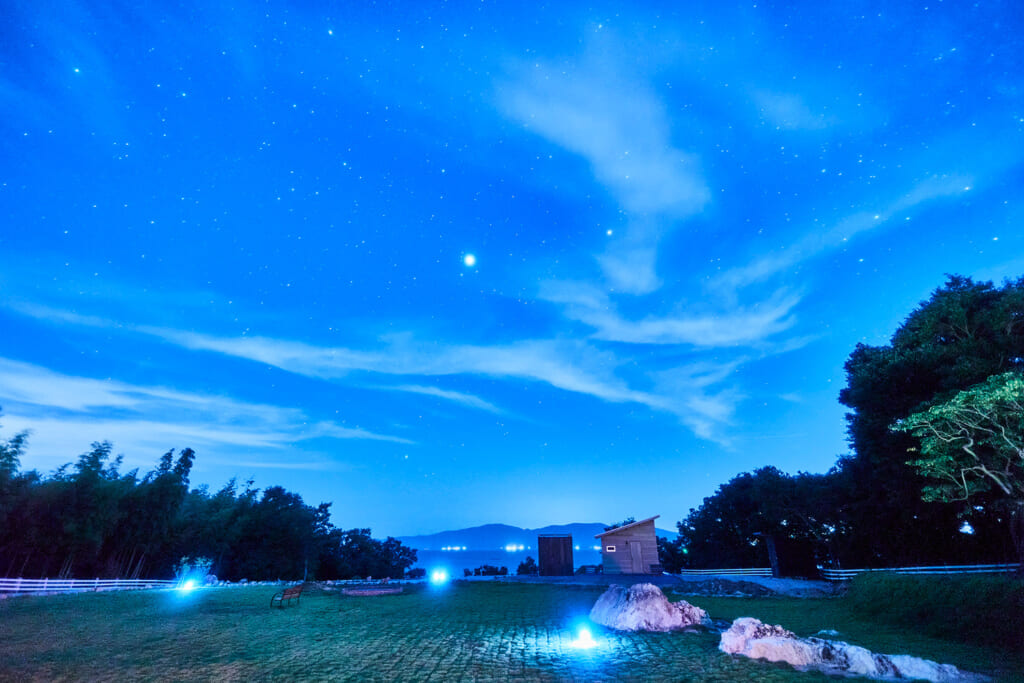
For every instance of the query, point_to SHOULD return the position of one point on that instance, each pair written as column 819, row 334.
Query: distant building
column 631, row 549
column 555, row 553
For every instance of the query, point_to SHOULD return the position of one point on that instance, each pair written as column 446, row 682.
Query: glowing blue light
column 439, row 577
column 187, row 586
column 584, row 641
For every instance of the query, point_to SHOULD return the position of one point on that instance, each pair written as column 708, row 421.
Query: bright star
column 469, row 260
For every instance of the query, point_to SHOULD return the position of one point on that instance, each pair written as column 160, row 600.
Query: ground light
column 188, row 586
column 439, row 577
column 584, row 641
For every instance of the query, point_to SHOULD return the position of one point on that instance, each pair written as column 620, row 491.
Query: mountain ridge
column 496, row 535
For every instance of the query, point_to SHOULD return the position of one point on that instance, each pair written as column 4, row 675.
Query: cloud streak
column 569, row 365
column 622, row 129
column 816, row 243
column 456, row 396
column 66, row 412
column 749, row 326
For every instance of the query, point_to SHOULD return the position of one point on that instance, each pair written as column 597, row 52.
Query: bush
column 528, row 567
column 984, row 610
column 417, row 573
column 489, row 570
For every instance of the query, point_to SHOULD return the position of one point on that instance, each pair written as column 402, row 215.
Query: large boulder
column 643, row 607
column 751, row 638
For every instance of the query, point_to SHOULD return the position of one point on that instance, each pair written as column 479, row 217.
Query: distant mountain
column 494, row 536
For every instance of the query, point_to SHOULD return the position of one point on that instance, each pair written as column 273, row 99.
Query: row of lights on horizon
column 511, row 548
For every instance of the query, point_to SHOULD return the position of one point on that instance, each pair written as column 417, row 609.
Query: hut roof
column 626, row 526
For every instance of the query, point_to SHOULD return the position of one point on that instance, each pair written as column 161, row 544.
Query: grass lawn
column 475, row 631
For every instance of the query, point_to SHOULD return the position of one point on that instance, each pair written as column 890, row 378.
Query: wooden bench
column 287, row 595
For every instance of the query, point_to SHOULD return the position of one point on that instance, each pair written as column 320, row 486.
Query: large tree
column 973, row 445
column 761, row 518
column 964, row 333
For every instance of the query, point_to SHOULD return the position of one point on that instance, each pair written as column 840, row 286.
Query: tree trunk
column 1017, row 533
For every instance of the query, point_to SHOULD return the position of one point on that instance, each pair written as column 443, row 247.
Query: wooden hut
column 555, row 554
column 631, row 549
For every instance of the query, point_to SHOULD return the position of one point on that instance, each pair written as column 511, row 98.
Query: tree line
column 936, row 472
column 88, row 520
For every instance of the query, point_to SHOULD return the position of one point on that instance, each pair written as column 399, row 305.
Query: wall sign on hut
column 631, row 548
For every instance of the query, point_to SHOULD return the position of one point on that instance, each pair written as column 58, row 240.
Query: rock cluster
column 643, row 607
column 751, row 638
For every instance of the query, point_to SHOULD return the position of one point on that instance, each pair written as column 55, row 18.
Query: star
column 469, row 260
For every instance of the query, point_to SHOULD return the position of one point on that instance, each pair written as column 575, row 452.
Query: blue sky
column 245, row 230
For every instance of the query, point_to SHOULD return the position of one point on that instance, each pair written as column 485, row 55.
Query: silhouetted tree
column 965, row 333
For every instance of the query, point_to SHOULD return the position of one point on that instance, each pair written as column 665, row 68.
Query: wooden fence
column 760, row 571
column 847, row 574
column 77, row 585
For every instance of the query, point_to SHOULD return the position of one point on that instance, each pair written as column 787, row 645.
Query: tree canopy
column 973, row 444
column 88, row 519
column 733, row 528
column 868, row 511
column 964, row 333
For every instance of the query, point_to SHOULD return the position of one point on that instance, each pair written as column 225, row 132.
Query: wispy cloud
column 618, row 124
column 67, row 412
column 742, row 326
column 457, row 396
column 818, row 242
column 569, row 365
column 704, row 408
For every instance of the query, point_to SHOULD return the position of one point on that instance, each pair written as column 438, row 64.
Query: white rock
column 751, row 638
column 643, row 607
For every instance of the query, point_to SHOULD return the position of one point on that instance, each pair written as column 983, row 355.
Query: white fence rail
column 846, row 574
column 759, row 571
column 76, row 585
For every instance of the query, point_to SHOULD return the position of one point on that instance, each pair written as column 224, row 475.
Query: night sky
column 447, row 264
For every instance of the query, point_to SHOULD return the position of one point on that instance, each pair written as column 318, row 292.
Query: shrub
column 490, row 570
column 417, row 573
column 528, row 567
column 985, row 610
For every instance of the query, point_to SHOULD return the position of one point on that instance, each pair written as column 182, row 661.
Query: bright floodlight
column 189, row 585
column 439, row 577
column 584, row 641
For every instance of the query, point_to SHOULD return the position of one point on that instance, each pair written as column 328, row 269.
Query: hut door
column 634, row 549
